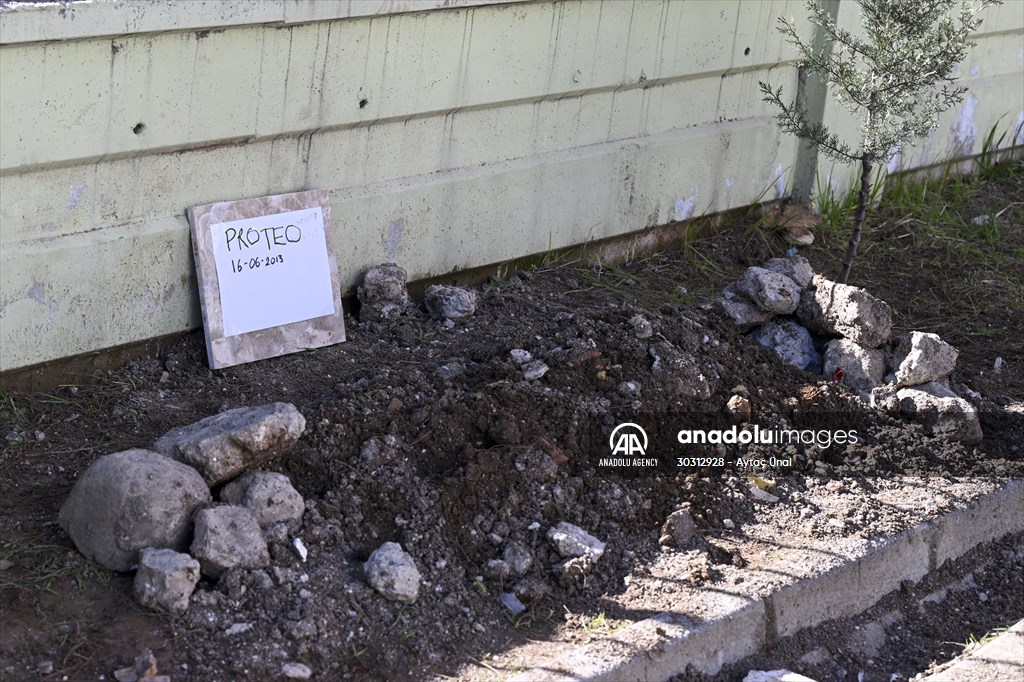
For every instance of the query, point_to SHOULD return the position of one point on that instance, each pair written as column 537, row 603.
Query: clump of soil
column 457, row 465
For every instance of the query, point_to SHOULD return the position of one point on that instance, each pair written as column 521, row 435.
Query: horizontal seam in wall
column 439, row 177
column 290, row 134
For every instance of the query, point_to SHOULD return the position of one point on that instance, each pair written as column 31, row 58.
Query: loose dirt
column 456, row 469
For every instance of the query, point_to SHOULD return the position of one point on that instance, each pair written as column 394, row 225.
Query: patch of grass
column 46, row 567
column 597, row 624
column 522, row 621
column 946, row 251
column 17, row 412
column 997, row 152
column 974, row 642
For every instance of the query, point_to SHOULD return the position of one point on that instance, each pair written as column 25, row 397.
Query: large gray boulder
column 393, row 573
column 863, row 368
column 770, row 291
column 791, row 342
column 449, row 303
column 228, row 537
column 224, row 445
column 941, row 412
column 383, row 294
column 165, row 580
column 920, row 357
column 842, row 310
column 741, row 310
column 268, row 495
column 797, row 268
column 129, row 500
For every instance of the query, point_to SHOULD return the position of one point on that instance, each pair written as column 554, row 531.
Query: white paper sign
column 272, row 270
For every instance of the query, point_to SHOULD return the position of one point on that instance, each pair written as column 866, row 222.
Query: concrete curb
column 657, row 648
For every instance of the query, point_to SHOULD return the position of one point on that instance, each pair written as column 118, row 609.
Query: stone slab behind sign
column 268, row 277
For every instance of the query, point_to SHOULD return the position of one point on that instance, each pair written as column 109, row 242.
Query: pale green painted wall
column 491, row 130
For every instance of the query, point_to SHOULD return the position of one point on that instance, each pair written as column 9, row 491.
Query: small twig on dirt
column 1009, row 206
column 489, row 667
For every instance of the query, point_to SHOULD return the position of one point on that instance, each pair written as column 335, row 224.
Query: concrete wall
column 450, row 134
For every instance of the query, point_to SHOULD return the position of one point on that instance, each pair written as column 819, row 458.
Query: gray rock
column 296, row 671
column 129, row 500
column 641, row 327
column 165, row 580
column 630, row 389
column 534, row 370
column 573, row 541
column 941, row 412
column 512, row 603
column 224, row 445
column 770, row 291
column 531, row 590
column 919, row 357
column 268, row 495
column 449, row 303
column 451, row 370
column 393, row 573
column 496, row 569
column 884, row 399
column 862, row 367
column 518, row 557
column 842, row 310
column 237, row 629
column 742, row 311
column 679, row 372
column 678, row 529
column 797, row 268
column 775, row 676
column 383, row 294
column 762, row 495
column 791, row 342
column 228, row 537
column 376, row 451
column 520, row 356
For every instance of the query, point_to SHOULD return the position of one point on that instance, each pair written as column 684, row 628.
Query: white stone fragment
column 573, row 541
column 300, row 549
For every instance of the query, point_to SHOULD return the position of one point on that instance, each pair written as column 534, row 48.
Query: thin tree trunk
column 858, row 218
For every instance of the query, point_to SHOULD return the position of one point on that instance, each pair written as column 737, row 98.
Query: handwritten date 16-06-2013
column 241, row 264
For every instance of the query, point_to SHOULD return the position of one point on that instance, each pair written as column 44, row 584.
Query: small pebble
column 512, row 603
column 641, row 327
column 238, row 628
column 296, row 671
column 300, row 549
column 520, row 356
column 762, row 495
column 534, row 370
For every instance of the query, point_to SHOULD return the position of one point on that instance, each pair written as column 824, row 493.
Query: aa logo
column 628, row 439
